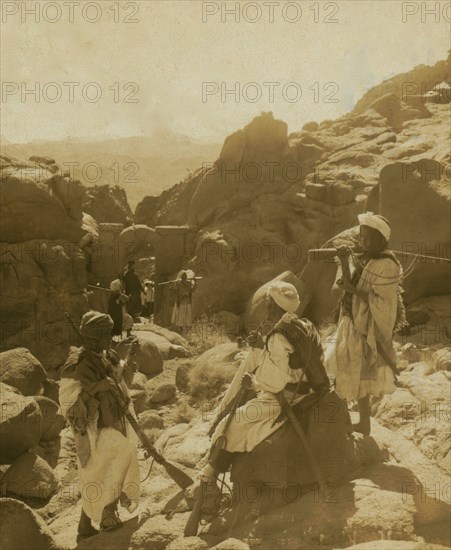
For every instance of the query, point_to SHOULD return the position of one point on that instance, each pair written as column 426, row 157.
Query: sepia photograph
column 225, row 269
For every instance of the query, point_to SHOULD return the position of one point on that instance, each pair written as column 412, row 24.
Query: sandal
column 110, row 522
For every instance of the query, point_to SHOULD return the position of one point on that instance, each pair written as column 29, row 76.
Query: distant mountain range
column 143, row 166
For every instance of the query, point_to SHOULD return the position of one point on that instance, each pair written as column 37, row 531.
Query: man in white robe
column 363, row 358
column 108, row 466
column 268, row 371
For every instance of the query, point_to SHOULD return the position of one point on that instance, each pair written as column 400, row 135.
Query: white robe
column 353, row 351
column 112, row 467
column 253, row 422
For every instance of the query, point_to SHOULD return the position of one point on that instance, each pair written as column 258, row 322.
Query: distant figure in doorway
column 182, row 316
column 116, row 306
column 133, row 289
column 148, row 299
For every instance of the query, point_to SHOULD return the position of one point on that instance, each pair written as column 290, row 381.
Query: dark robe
column 133, row 288
column 115, row 312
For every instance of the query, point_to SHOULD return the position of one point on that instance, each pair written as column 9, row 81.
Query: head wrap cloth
column 285, row 295
column 115, row 285
column 376, row 222
column 94, row 325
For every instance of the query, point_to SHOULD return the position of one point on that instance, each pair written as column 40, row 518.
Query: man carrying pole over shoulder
column 363, row 358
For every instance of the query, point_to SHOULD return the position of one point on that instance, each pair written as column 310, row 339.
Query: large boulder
column 52, row 419
column 396, row 111
column 416, row 198
column 162, row 393
column 167, row 348
column 36, row 204
column 394, row 500
column 214, row 370
column 231, row 544
column 22, row 528
column 43, row 266
column 142, row 351
column 20, row 424
column 19, row 368
column 41, row 280
column 185, row 444
column 29, row 476
column 107, row 204
column 282, row 459
column 442, row 359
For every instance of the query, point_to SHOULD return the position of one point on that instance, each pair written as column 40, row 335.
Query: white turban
column 115, row 285
column 376, row 222
column 285, row 295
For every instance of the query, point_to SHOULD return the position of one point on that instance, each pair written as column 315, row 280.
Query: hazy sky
column 171, row 53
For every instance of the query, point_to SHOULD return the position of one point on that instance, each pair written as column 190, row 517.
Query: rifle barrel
column 322, row 254
column 182, row 479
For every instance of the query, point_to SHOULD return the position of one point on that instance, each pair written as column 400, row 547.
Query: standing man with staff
column 363, row 358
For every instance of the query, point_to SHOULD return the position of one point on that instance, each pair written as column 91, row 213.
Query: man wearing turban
column 363, row 358
column 290, row 361
column 105, row 443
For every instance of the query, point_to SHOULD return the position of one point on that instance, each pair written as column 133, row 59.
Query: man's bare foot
column 110, row 519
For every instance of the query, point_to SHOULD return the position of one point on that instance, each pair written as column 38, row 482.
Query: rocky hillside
column 268, row 198
column 394, row 495
column 141, row 165
column 271, row 196
column 409, row 85
column 107, row 204
column 45, row 236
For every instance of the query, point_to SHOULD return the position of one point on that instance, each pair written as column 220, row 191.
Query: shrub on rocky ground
column 207, row 332
column 205, row 384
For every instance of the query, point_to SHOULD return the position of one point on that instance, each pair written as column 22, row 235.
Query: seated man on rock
column 290, row 362
column 106, row 448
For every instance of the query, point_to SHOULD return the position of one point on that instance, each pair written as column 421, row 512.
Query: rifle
column 324, row 254
column 192, row 524
column 175, row 280
column 182, row 479
column 95, row 287
column 301, row 434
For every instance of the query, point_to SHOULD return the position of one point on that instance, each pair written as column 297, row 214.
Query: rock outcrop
column 36, row 204
column 107, row 204
column 270, row 196
column 43, row 264
column 20, row 424
column 20, row 369
column 21, row 527
column 412, row 84
column 416, row 198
